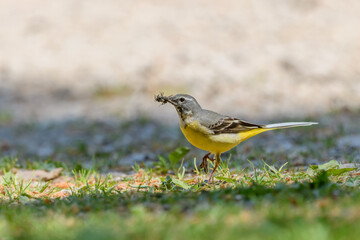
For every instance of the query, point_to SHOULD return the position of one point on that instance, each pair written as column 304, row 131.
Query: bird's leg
column 204, row 163
column 217, row 159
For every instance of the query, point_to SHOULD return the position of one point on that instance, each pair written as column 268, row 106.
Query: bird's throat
column 184, row 114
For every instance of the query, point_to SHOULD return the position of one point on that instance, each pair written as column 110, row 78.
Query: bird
column 213, row 132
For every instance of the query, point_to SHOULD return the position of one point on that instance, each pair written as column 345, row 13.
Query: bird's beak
column 171, row 100
column 163, row 99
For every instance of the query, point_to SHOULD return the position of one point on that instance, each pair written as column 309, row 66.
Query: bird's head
column 184, row 104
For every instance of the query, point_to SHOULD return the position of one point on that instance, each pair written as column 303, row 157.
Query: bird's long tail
column 269, row 127
column 288, row 125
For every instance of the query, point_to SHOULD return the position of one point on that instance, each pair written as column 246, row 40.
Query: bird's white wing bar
column 232, row 125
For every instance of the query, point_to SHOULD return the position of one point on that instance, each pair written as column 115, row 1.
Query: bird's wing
column 218, row 123
column 232, row 125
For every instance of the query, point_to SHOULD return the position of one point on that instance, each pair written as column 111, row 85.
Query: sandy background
column 261, row 59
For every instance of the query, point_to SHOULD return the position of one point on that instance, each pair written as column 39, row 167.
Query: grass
column 269, row 203
column 298, row 211
column 5, row 117
column 263, row 198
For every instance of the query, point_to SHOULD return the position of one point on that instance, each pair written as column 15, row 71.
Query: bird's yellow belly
column 199, row 137
column 207, row 143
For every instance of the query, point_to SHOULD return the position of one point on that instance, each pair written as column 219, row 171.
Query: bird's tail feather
column 288, row 125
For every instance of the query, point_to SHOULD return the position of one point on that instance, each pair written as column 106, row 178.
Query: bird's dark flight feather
column 232, row 125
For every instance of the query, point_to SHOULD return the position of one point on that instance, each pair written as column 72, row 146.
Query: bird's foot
column 204, row 164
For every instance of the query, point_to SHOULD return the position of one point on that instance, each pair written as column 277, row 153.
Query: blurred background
column 74, row 73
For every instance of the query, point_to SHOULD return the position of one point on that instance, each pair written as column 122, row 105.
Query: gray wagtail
column 214, row 132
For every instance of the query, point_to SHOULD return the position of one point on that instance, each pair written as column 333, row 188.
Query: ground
column 87, row 182
column 64, row 59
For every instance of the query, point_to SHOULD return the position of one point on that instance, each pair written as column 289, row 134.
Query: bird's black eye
column 182, row 99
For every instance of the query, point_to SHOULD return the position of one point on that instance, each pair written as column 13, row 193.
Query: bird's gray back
column 208, row 118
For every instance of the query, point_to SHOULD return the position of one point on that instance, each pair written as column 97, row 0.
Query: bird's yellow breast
column 203, row 138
